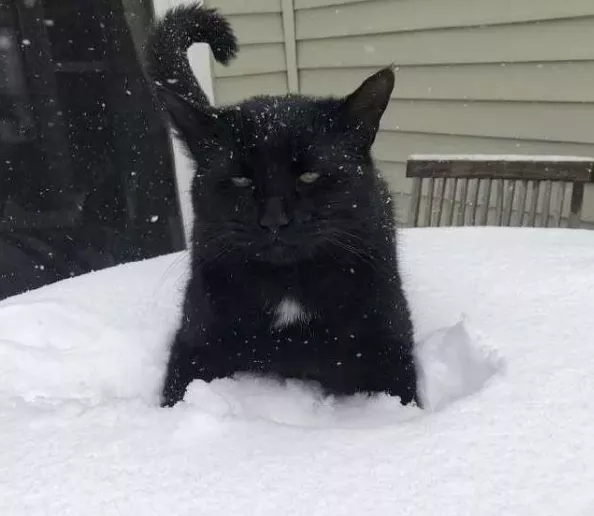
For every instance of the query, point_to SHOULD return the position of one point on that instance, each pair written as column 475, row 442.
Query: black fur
column 329, row 245
column 170, row 39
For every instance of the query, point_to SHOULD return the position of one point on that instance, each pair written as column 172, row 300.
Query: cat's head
column 282, row 179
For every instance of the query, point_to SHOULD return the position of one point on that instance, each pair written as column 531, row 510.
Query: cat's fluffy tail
column 167, row 46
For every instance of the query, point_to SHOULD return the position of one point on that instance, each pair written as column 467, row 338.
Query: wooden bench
column 500, row 190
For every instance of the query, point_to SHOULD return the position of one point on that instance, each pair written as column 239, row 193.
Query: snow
column 500, row 157
column 504, row 318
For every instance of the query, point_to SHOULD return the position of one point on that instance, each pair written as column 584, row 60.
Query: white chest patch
column 289, row 312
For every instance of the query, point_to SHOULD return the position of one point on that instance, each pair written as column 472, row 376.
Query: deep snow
column 509, row 381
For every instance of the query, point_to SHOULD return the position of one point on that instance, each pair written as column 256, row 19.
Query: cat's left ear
column 187, row 118
column 366, row 105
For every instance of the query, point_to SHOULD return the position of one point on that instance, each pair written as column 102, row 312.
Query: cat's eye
column 241, row 182
column 309, row 177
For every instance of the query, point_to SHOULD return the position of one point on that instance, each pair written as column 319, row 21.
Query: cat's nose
column 274, row 214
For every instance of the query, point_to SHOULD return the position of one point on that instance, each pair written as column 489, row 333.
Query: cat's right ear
column 187, row 118
column 366, row 105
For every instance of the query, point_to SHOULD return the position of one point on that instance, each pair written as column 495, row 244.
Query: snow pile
column 452, row 366
column 507, row 363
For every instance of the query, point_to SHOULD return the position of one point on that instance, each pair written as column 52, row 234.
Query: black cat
column 294, row 266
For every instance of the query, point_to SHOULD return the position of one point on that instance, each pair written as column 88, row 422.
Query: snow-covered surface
column 505, row 322
column 500, row 157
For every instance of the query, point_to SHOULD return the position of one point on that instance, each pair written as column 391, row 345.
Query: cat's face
column 285, row 185
column 280, row 180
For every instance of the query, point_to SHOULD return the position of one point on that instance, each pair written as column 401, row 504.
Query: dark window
column 86, row 172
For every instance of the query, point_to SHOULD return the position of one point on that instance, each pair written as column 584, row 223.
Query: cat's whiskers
column 221, row 251
column 341, row 240
column 173, row 265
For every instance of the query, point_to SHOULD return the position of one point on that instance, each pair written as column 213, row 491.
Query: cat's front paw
column 174, row 389
column 171, row 397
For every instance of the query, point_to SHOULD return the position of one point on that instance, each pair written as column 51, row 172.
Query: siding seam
column 290, row 45
column 447, row 28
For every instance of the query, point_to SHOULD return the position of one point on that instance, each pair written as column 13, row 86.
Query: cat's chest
column 289, row 302
column 289, row 312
